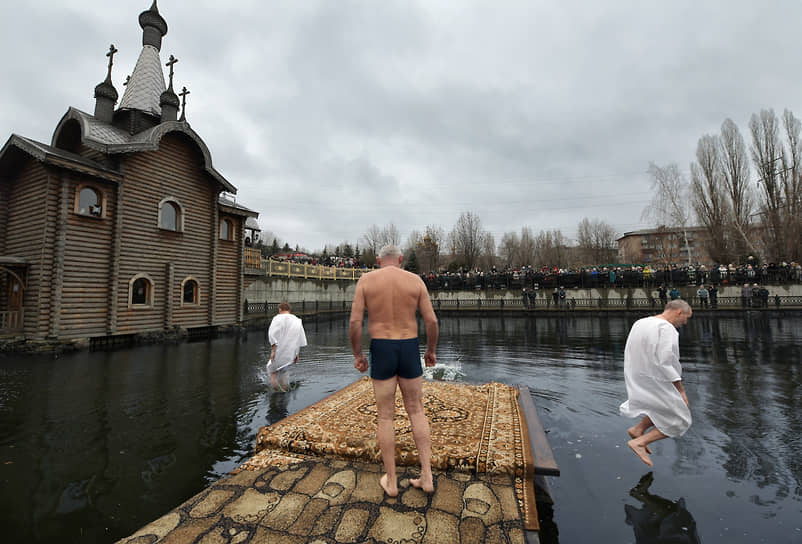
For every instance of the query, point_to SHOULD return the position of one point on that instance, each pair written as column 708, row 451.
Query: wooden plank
column 545, row 463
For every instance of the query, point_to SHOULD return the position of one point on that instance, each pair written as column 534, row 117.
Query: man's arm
column 355, row 327
column 432, row 328
column 681, row 389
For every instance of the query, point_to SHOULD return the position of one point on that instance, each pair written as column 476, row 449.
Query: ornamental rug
column 475, row 428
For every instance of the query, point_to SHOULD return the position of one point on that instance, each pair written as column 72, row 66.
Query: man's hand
column 430, row 358
column 360, row 362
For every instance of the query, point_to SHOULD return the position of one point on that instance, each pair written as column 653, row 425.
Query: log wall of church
column 86, row 262
column 32, row 203
column 228, row 271
column 172, row 171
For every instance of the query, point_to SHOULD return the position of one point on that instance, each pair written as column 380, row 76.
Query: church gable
column 121, row 224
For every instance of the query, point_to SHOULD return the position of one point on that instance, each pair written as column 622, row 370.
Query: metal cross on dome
column 170, row 63
column 110, row 54
column 183, row 94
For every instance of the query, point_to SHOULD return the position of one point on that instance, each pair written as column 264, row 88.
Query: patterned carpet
column 475, row 429
column 330, row 502
column 315, row 478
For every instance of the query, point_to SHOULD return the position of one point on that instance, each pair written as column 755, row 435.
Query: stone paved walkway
column 332, row 501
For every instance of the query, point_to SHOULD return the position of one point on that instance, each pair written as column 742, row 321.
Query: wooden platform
column 290, row 497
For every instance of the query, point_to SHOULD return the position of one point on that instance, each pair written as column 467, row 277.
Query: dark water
column 95, row 445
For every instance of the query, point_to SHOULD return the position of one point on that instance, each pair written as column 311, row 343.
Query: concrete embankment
column 275, row 289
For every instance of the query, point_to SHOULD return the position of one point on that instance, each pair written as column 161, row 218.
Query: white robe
column 651, row 365
column 287, row 334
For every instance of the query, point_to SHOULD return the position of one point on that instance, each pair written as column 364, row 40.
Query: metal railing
column 256, row 265
column 544, row 303
column 258, row 309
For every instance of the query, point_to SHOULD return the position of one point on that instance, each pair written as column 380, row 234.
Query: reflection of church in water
column 121, row 224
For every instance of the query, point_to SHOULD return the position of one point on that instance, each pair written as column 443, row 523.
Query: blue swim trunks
column 390, row 358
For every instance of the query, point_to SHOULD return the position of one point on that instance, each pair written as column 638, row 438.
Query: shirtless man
column 653, row 378
column 391, row 296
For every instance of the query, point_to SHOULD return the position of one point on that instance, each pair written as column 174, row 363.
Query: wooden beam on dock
column 545, row 464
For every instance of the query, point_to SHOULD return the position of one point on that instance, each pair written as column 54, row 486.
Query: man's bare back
column 392, row 296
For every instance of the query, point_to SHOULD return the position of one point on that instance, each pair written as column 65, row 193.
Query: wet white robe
column 651, row 365
column 286, row 332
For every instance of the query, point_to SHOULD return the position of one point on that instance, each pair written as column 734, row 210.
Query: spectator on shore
column 763, row 293
column 662, row 294
column 674, row 293
column 712, row 290
column 703, row 295
column 746, row 296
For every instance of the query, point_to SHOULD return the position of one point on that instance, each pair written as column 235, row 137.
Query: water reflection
column 659, row 520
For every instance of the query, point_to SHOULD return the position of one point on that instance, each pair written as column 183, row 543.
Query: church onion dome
column 107, row 90
column 154, row 27
column 170, row 98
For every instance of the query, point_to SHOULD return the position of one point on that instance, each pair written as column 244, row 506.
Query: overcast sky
column 330, row 116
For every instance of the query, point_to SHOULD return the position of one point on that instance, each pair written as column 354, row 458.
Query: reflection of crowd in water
column 615, row 276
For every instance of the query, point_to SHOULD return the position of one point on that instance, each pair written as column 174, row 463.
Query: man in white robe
column 287, row 337
column 653, row 378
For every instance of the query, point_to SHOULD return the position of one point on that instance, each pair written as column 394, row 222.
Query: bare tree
column 596, row 241
column 372, row 240
column 551, row 248
column 376, row 238
column 390, row 235
column 433, row 238
column 487, row 256
column 791, row 179
column 467, row 238
column 779, row 183
column 709, row 196
column 509, row 248
column 735, row 170
column 670, row 205
column 526, row 247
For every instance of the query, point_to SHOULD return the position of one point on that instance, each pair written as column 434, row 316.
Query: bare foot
column 391, row 491
column 640, row 451
column 420, row 484
column 633, row 433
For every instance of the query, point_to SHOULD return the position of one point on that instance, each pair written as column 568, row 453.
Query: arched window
column 89, row 201
column 170, row 215
column 190, row 292
column 226, row 230
column 140, row 291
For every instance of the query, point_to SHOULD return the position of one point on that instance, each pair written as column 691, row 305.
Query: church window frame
column 140, row 291
column 175, row 224
column 190, row 292
column 227, row 229
column 90, row 201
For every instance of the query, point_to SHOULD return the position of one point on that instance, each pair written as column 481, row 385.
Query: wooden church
column 121, row 225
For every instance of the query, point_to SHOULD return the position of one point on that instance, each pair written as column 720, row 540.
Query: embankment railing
column 256, row 265
column 257, row 309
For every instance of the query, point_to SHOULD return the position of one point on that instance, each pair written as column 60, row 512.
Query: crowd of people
column 647, row 276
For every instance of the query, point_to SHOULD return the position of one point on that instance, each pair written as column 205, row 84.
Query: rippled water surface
column 95, row 445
